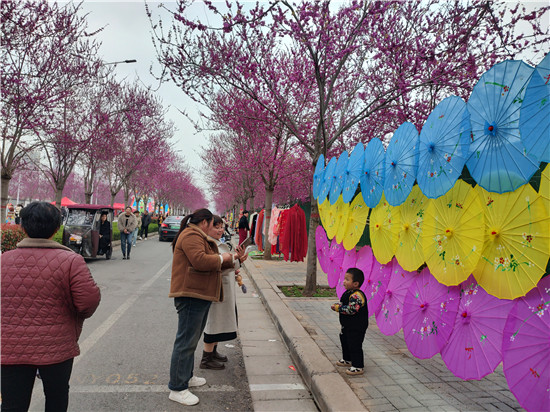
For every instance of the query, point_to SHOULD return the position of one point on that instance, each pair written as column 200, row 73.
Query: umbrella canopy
column 525, row 348
column 322, row 246
column 349, row 261
column 383, row 229
column 516, row 248
column 443, row 147
column 497, row 160
column 364, row 261
column 534, row 117
column 357, row 220
column 409, row 251
column 451, row 237
column 331, row 216
column 338, row 177
column 544, row 187
column 376, row 283
column 318, row 176
column 429, row 315
column 389, row 316
column 372, row 177
column 354, row 171
column 474, row 347
column 401, row 163
column 335, row 259
column 342, row 209
column 328, row 178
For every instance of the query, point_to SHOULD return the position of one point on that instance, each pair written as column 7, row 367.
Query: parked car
column 170, row 228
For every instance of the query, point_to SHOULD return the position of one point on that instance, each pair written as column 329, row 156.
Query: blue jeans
column 134, row 236
column 192, row 315
column 126, row 243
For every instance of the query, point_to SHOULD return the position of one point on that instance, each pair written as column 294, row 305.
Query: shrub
column 11, row 236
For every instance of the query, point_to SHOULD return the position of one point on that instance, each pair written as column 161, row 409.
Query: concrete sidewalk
column 393, row 379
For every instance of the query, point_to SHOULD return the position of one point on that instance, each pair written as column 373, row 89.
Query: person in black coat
column 243, row 227
column 145, row 222
column 104, row 234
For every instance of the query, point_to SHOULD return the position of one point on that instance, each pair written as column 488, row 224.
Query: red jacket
column 47, row 292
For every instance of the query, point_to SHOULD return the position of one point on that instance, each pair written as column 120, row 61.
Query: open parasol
column 452, row 238
column 534, row 118
column 357, row 220
column 525, row 348
column 349, row 261
column 383, row 228
column 338, row 177
column 401, row 164
column 331, row 216
column 372, row 177
column 328, row 178
column 516, row 249
column 343, row 210
column 474, row 347
column 375, row 284
column 318, row 176
column 429, row 315
column 322, row 246
column 497, row 160
column 409, row 251
column 389, row 316
column 443, row 147
column 354, row 171
column 544, row 187
column 335, row 258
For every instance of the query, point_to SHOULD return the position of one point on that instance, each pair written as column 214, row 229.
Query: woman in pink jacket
column 47, row 292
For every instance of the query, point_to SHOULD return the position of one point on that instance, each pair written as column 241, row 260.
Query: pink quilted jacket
column 47, row 292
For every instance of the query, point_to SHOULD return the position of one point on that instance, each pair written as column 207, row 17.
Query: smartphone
column 247, row 242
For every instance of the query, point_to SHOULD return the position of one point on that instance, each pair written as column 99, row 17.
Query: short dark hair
column 217, row 221
column 356, row 275
column 40, row 220
column 245, row 211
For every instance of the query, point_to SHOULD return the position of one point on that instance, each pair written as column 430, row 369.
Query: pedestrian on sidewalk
column 243, row 227
column 47, row 292
column 145, row 222
column 135, row 232
column 127, row 222
column 221, row 324
column 354, row 319
column 196, row 283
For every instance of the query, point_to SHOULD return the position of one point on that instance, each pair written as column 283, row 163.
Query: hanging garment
column 259, row 225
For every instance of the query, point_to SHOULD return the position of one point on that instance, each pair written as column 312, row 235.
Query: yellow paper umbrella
column 452, row 236
column 383, row 228
column 357, row 220
column 331, row 216
column 323, row 212
column 544, row 188
column 515, row 252
column 343, row 211
column 409, row 251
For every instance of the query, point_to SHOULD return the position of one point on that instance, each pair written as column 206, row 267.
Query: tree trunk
column 126, row 197
column 311, row 268
column 5, row 187
column 113, row 195
column 252, row 204
column 267, row 219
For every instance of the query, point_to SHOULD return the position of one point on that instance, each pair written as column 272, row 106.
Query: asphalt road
column 127, row 344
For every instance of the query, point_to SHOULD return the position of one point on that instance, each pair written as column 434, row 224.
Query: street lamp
column 121, row 61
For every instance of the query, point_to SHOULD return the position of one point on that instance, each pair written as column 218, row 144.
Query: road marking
column 276, row 387
column 144, row 388
column 91, row 340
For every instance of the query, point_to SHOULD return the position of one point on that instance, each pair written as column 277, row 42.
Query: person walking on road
column 243, row 227
column 135, row 232
column 195, row 283
column 47, row 292
column 145, row 222
column 127, row 222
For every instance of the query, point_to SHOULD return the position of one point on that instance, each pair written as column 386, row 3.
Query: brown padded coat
column 196, row 266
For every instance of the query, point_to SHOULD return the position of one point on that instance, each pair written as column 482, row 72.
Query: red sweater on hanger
column 294, row 236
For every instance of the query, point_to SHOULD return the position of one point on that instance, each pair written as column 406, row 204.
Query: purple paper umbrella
column 389, row 316
column 526, row 348
column 429, row 314
column 335, row 258
column 364, row 261
column 349, row 261
column 376, row 283
column 323, row 247
column 474, row 347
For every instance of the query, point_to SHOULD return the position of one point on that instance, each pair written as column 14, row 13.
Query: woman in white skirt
column 221, row 325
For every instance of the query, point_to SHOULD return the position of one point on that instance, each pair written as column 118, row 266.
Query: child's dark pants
column 352, row 345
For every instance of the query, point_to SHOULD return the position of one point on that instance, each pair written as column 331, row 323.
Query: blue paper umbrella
column 372, row 177
column 339, row 176
column 353, row 172
column 318, row 176
column 443, row 147
column 327, row 180
column 497, row 158
column 401, row 163
column 534, row 117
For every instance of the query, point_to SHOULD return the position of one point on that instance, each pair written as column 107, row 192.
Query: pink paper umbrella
column 323, row 247
column 389, row 316
column 349, row 261
column 376, row 283
column 474, row 347
column 364, row 261
column 429, row 314
column 526, row 348
column 335, row 258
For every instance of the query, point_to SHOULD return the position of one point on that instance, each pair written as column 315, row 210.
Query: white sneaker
column 184, row 397
column 196, row 381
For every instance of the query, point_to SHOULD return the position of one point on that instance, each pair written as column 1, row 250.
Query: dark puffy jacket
column 47, row 292
column 145, row 219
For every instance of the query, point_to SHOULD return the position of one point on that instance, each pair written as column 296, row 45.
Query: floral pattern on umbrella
column 383, row 227
column 335, row 257
column 354, row 171
column 372, row 176
column 375, row 283
column 357, row 220
column 339, row 177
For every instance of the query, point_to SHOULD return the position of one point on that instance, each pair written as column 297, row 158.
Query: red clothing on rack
column 259, row 231
column 293, row 237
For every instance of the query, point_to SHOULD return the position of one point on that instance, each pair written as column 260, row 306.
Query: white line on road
column 143, row 388
column 91, row 340
column 276, row 387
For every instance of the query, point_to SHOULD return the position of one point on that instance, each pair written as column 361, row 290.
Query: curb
column 330, row 391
